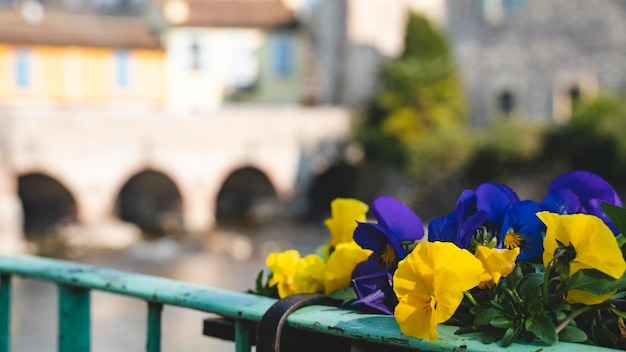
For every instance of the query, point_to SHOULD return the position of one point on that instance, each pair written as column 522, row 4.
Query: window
column 569, row 90
column 574, row 95
column 22, row 67
column 505, row 103
column 494, row 11
column 283, row 55
column 195, row 52
column 122, row 60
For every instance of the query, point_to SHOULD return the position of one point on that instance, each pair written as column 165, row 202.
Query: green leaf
column 619, row 313
column 530, row 285
column 572, row 334
column 346, row 295
column 485, row 316
column 321, row 250
column 621, row 240
column 500, row 321
column 542, row 327
column 492, row 335
column 603, row 333
column 498, row 305
column 619, row 295
column 530, row 292
column 560, row 316
column 594, row 281
column 510, row 335
column 259, row 281
column 617, row 216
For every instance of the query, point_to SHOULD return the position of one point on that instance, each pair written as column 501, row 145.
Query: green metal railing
column 75, row 281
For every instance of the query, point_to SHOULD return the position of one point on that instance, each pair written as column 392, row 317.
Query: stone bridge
column 84, row 167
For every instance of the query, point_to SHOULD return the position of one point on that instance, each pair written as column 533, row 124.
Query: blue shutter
column 22, row 67
column 283, row 55
column 122, row 59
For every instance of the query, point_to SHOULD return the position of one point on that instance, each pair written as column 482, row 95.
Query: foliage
column 503, row 149
column 419, row 93
column 444, row 151
column 592, row 140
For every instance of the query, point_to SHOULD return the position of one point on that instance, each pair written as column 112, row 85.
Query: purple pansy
column 581, row 192
column 375, row 293
column 396, row 232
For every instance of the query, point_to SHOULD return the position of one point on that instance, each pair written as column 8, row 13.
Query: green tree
column 592, row 140
column 419, row 93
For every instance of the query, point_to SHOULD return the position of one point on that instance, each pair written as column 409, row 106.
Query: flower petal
column 282, row 267
column 586, row 185
column 586, row 297
column 497, row 263
column 414, row 316
column 345, row 212
column 495, row 199
column 522, row 220
column 429, row 284
column 403, row 224
column 341, row 263
column 594, row 243
column 562, row 201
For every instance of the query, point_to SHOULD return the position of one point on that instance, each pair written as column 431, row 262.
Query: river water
column 227, row 258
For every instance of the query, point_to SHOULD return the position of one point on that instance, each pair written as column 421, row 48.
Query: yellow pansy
column 586, row 297
column 309, row 274
column 345, row 212
column 497, row 263
column 282, row 265
column 595, row 245
column 341, row 263
column 429, row 284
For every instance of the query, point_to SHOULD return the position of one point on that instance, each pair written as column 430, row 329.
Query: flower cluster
column 496, row 264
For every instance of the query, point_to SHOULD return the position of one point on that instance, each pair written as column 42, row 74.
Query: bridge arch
column 151, row 200
column 243, row 194
column 46, row 203
column 338, row 180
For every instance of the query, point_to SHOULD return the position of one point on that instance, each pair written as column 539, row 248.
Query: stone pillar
column 11, row 215
column 198, row 212
column 93, row 204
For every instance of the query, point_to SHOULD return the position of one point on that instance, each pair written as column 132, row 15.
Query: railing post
column 5, row 312
column 153, row 339
column 242, row 336
column 74, row 319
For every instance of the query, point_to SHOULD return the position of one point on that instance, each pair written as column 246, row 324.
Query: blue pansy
column 390, row 239
column 460, row 224
column 495, row 200
column 484, row 207
column 522, row 228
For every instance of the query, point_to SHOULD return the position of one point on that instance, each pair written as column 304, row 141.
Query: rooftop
column 63, row 28
column 33, row 24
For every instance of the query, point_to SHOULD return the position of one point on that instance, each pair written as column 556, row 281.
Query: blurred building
column 233, row 51
column 177, row 56
column 54, row 58
column 352, row 37
column 164, row 114
column 528, row 59
column 534, row 59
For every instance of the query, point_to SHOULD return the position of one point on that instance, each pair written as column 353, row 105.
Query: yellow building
column 53, row 58
column 193, row 56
